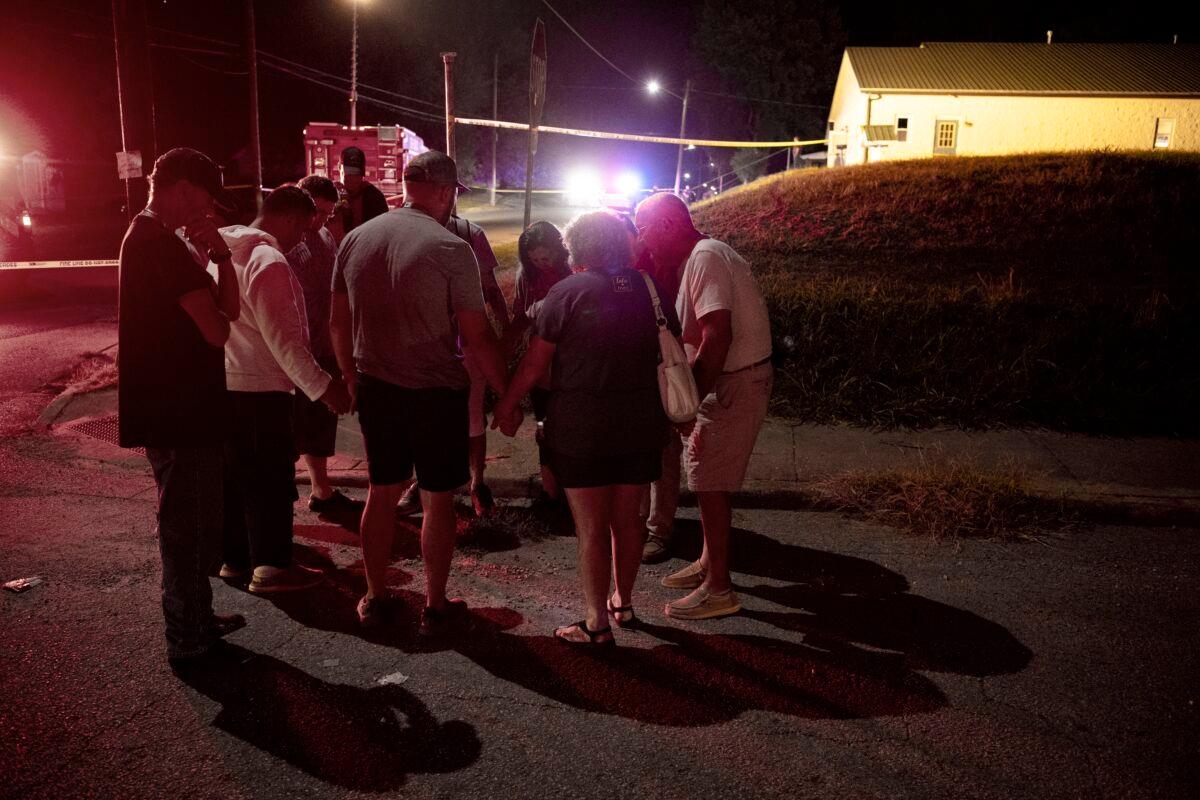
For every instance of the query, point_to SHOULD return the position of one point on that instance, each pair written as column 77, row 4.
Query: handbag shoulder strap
column 658, row 312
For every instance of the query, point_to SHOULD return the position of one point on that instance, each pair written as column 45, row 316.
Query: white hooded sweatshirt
column 268, row 349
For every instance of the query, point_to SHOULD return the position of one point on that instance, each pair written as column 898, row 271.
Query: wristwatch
column 217, row 258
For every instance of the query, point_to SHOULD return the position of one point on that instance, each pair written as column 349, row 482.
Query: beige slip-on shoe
column 689, row 577
column 703, row 604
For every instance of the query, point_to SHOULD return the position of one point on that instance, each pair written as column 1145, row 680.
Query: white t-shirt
column 715, row 277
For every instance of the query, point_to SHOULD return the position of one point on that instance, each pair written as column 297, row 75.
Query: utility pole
column 135, row 96
column 495, row 115
column 687, row 90
column 354, row 67
column 448, row 60
column 252, row 71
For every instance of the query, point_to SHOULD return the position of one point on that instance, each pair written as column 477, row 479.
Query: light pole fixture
column 653, row 86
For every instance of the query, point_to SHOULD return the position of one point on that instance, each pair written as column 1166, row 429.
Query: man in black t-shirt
column 173, row 323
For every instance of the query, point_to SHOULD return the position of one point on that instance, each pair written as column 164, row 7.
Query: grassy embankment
column 1050, row 290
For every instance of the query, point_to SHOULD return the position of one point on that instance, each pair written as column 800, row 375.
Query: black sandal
column 592, row 636
column 616, row 613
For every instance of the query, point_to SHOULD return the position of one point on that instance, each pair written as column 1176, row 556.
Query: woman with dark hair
column 606, row 428
column 543, row 263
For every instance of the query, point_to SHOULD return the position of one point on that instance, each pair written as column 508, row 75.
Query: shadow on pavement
column 865, row 638
column 852, row 601
column 694, row 679
column 361, row 739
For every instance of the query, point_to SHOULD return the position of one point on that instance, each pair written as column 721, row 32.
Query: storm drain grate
column 103, row 428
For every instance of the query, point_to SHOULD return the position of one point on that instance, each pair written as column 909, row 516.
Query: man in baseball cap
column 404, row 290
column 173, row 324
column 364, row 201
column 433, row 167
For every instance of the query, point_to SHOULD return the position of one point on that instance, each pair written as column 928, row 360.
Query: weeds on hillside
column 948, row 501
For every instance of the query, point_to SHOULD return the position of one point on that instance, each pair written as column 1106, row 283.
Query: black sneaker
column 438, row 621
column 335, row 503
column 373, row 612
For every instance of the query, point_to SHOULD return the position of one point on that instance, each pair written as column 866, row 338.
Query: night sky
column 57, row 73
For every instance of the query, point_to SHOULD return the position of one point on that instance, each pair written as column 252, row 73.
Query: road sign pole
column 495, row 115
column 537, row 98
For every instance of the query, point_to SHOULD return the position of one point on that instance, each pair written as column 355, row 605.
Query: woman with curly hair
column 606, row 429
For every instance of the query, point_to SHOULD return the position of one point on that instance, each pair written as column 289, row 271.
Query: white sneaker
column 268, row 580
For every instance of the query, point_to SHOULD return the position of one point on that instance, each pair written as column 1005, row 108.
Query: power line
column 361, row 85
column 759, row 99
column 381, row 103
column 589, row 46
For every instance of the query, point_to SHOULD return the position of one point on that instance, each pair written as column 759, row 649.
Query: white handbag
column 676, row 384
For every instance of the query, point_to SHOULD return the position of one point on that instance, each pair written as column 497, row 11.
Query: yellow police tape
column 82, row 262
column 632, row 137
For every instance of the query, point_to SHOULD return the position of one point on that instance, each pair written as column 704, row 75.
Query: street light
column 354, row 65
column 654, row 87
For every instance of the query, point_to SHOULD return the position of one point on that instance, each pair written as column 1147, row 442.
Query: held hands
column 507, row 419
column 337, row 398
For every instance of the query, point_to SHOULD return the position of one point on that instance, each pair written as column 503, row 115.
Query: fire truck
column 387, row 148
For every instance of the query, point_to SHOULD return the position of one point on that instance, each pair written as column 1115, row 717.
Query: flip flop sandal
column 619, row 615
column 593, row 641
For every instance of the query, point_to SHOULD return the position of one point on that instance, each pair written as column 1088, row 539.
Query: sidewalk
column 1146, row 477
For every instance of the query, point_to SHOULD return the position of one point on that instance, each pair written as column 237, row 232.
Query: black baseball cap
column 186, row 164
column 354, row 161
column 433, row 167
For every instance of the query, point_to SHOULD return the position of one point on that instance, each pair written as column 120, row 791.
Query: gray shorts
column 716, row 455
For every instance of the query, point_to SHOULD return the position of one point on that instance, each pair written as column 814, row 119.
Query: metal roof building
column 947, row 98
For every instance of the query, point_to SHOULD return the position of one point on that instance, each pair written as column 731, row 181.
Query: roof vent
column 1049, row 37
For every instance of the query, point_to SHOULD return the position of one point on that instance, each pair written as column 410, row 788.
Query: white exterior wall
column 846, row 114
column 998, row 125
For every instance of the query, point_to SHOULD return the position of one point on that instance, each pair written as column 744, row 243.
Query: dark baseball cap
column 354, row 161
column 433, row 167
column 186, row 164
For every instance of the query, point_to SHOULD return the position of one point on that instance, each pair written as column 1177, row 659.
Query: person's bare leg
column 628, row 536
column 318, row 476
column 550, row 483
column 716, row 515
column 378, row 528
column 437, row 544
column 478, row 458
column 592, row 511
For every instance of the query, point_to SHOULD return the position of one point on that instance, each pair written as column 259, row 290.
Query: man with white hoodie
column 267, row 356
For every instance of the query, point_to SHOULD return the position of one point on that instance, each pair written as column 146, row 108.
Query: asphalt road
column 867, row 664
column 504, row 222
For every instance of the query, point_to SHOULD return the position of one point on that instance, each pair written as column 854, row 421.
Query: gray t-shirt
column 406, row 276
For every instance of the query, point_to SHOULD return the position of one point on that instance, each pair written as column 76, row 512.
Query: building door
column 945, row 138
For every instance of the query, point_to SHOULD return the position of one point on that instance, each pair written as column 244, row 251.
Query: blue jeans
column 190, row 497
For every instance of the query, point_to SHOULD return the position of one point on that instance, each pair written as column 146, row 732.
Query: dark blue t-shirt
column 604, row 398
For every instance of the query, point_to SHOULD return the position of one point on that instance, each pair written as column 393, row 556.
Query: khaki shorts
column 717, row 453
